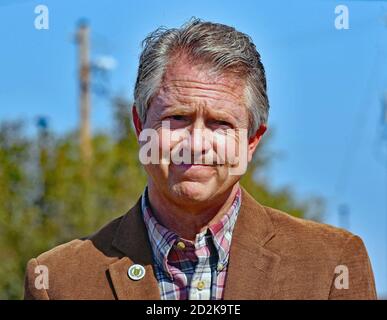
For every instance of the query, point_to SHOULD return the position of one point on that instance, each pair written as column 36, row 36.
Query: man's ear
column 136, row 121
column 254, row 140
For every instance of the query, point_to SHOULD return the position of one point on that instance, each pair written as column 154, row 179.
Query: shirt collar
column 162, row 239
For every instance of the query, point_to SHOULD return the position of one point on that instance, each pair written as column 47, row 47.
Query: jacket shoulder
column 317, row 253
column 286, row 222
column 76, row 267
column 308, row 238
column 98, row 241
column 304, row 228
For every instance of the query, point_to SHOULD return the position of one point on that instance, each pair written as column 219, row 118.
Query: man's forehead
column 185, row 71
column 187, row 83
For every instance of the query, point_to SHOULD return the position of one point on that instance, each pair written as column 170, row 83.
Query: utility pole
column 82, row 40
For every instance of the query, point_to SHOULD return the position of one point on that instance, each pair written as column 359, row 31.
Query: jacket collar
column 251, row 270
column 131, row 239
column 252, row 266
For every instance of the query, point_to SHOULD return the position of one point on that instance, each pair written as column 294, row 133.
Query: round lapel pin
column 136, row 272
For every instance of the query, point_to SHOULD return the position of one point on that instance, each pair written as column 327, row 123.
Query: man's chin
column 192, row 191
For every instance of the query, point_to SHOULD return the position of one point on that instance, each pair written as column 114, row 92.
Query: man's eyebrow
column 180, row 108
column 168, row 109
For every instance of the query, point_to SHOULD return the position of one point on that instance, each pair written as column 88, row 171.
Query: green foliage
column 48, row 196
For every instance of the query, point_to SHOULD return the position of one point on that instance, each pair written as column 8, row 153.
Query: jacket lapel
column 252, row 267
column 132, row 239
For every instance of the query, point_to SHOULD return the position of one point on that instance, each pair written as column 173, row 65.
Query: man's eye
column 222, row 123
column 177, row 117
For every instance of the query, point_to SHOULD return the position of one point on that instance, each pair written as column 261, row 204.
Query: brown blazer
column 273, row 256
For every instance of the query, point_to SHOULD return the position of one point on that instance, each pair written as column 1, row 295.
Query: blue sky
column 325, row 87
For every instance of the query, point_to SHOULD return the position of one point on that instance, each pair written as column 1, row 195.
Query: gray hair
column 222, row 48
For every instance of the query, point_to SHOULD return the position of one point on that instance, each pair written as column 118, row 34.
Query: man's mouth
column 194, row 165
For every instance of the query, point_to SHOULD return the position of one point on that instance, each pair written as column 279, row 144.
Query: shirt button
column 201, row 285
column 181, row 245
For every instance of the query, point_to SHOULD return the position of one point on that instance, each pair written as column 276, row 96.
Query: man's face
column 203, row 112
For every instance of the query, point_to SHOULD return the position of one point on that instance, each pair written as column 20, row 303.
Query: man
column 195, row 233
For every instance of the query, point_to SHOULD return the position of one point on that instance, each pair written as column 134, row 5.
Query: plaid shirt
column 194, row 270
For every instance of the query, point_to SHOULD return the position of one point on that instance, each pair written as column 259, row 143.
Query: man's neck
column 191, row 220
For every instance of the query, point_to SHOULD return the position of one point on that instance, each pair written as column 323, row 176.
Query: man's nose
column 200, row 138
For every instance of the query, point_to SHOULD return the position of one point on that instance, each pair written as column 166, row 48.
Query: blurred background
column 69, row 156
